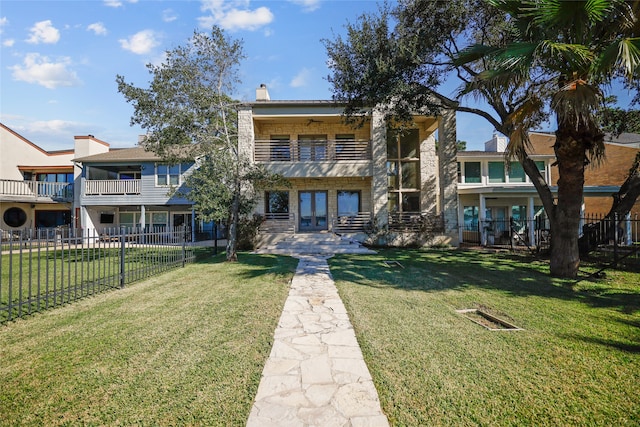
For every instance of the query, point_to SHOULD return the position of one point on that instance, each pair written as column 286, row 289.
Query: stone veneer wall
column 379, row 183
column 448, row 174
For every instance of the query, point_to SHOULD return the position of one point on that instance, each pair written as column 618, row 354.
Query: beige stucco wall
column 16, row 151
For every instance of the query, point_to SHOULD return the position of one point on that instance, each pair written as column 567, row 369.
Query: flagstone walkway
column 315, row 374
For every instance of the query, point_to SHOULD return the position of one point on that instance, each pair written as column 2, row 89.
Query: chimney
column 496, row 144
column 262, row 94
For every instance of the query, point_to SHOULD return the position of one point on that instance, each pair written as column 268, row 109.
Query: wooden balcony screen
column 311, row 151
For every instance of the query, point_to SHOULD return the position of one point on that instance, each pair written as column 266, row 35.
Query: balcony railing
column 99, row 187
column 278, row 223
column 37, row 189
column 311, row 151
column 357, row 223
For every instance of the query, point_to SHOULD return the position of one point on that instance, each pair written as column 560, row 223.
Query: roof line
column 22, row 138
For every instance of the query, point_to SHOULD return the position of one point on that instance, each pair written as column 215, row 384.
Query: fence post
column 122, row 253
column 184, row 245
column 615, row 239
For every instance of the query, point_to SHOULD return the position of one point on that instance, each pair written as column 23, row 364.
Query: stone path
column 315, row 374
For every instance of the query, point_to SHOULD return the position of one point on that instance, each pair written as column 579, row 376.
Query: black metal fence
column 597, row 231
column 42, row 269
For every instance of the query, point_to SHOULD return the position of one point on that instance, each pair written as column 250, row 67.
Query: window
column 516, row 173
column 459, row 173
column 128, row 175
column 312, row 147
column 280, row 148
column 403, row 171
column 472, row 172
column 348, row 203
column 54, row 177
column 14, row 217
column 496, row 172
column 158, row 220
column 541, row 168
column 129, row 219
column 277, row 202
column 168, row 174
column 51, row 219
column 470, row 217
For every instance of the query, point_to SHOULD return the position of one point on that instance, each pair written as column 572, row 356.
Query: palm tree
column 562, row 56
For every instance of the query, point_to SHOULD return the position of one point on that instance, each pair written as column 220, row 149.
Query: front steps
column 314, row 244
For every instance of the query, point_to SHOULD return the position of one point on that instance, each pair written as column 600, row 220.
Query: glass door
column 313, row 210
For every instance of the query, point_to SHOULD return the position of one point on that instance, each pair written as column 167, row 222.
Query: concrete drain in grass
column 487, row 320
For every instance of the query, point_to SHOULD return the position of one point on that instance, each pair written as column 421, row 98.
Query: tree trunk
column 565, row 223
column 232, row 241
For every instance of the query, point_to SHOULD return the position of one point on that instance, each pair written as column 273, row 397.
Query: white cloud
column 98, row 28
column 44, row 32
column 52, row 126
column 307, row 5
column 40, row 70
column 8, row 42
column 168, row 15
column 234, row 15
column 3, row 21
column 301, row 79
column 141, row 42
column 117, row 3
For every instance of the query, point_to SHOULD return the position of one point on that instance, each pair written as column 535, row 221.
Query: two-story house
column 37, row 186
column 344, row 177
column 495, row 196
column 132, row 187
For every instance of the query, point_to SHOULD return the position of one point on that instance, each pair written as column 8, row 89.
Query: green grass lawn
column 183, row 348
column 577, row 361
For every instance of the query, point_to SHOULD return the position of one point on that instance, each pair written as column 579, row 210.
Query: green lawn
column 183, row 348
column 576, row 363
column 188, row 347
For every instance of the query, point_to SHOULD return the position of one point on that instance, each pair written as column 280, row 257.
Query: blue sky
column 59, row 59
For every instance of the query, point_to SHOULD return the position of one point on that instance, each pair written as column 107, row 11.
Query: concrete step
column 314, row 243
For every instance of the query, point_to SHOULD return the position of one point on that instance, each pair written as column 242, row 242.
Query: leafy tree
column 461, row 145
column 189, row 115
column 525, row 60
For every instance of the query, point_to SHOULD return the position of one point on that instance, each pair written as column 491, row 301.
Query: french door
column 313, row 210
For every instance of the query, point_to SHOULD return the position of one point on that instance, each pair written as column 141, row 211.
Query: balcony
column 312, row 151
column 36, row 191
column 102, row 187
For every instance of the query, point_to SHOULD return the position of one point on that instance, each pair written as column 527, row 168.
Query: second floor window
column 167, row 174
column 496, row 172
column 472, row 172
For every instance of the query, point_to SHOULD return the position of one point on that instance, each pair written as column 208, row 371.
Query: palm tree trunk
column 565, row 223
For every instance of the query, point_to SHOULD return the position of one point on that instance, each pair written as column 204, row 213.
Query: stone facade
column 265, row 121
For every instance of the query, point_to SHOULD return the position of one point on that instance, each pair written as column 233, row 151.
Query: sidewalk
column 315, row 374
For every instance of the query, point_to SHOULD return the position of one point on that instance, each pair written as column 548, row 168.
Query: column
column 246, row 136
column 482, row 224
column 532, row 222
column 448, row 173
column 379, row 195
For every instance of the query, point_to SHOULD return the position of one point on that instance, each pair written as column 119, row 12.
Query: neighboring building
column 492, row 193
column 132, row 187
column 342, row 177
column 37, row 186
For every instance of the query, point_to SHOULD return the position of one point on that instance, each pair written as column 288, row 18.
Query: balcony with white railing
column 36, row 191
column 102, row 187
column 315, row 158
